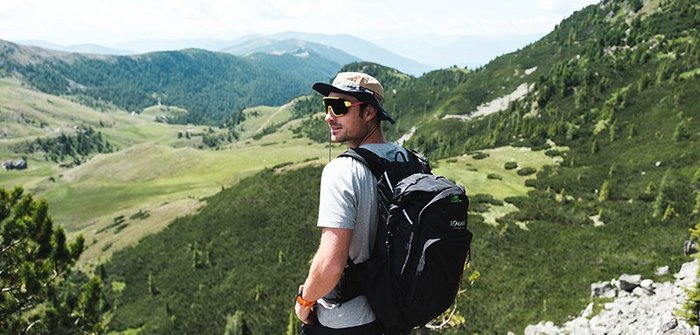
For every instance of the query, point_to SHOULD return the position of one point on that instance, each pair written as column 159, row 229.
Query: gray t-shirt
column 348, row 199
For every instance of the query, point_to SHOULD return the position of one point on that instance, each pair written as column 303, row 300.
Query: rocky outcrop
column 19, row 164
column 638, row 306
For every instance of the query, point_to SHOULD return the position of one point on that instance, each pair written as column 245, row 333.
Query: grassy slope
column 154, row 172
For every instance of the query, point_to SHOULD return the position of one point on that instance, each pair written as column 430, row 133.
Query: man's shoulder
column 388, row 150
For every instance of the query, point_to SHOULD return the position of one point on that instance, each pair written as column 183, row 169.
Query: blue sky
column 109, row 22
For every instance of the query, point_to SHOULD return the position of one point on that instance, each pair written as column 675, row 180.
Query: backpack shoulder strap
column 375, row 163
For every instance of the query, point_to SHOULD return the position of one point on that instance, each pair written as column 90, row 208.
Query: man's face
column 350, row 127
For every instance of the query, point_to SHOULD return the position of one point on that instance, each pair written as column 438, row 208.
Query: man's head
column 353, row 105
column 363, row 87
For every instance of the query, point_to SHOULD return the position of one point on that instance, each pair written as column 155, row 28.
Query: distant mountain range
column 79, row 48
column 211, row 86
column 434, row 52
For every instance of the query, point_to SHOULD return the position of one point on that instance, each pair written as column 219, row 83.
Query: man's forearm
column 328, row 263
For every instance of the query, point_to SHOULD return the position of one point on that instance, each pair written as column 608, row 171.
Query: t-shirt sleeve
column 338, row 196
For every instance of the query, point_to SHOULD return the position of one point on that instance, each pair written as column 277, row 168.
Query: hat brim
column 326, row 89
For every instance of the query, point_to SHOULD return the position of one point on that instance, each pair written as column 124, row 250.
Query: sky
column 110, row 22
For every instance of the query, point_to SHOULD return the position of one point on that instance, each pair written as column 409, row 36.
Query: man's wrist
column 304, row 302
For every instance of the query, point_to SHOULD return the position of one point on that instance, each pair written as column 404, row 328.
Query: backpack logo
column 458, row 224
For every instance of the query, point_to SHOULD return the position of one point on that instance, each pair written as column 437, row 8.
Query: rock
column 602, row 290
column 19, row 164
column 668, row 322
column 633, row 313
column 662, row 271
column 629, row 282
column 690, row 247
column 640, row 291
column 542, row 328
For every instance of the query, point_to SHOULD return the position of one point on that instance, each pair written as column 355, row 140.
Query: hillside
column 610, row 93
column 210, row 86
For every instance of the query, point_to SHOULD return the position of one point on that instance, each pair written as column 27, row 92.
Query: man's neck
column 376, row 138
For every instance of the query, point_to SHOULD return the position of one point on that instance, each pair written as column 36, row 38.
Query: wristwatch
column 304, row 302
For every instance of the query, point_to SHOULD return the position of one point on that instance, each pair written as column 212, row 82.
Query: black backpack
column 421, row 245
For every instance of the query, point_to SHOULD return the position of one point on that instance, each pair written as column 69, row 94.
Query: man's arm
column 326, row 267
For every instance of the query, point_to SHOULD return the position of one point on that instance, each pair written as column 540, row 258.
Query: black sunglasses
column 338, row 106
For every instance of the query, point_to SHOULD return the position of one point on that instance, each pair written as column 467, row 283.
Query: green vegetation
column 210, row 86
column 77, row 147
column 250, row 244
column 36, row 296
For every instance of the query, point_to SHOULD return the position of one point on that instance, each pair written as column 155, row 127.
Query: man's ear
column 369, row 112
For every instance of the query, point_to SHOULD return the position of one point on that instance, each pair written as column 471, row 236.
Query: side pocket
column 437, row 276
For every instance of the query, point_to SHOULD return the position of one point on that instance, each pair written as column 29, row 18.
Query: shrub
column 510, row 165
column 494, row 176
column 484, row 199
column 552, row 153
column 526, row 171
column 480, row 155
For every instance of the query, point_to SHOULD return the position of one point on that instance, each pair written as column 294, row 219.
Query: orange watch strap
column 304, row 302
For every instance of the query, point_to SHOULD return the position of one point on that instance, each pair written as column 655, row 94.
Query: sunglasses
column 338, row 107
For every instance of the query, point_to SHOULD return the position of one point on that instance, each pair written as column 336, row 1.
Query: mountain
column 610, row 96
column 79, row 48
column 295, row 46
column 145, row 46
column 210, row 86
column 354, row 46
column 342, row 49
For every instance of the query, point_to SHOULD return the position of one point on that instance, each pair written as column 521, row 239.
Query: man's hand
column 302, row 311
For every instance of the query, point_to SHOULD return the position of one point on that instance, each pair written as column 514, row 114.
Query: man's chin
column 336, row 139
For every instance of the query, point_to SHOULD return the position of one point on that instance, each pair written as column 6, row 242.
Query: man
column 348, row 205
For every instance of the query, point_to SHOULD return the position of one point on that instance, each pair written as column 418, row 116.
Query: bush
column 510, row 165
column 552, row 153
column 494, row 176
column 526, row 171
column 480, row 155
column 484, row 199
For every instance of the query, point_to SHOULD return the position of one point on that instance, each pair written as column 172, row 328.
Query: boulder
column 19, row 164
column 629, row 282
column 662, row 271
column 640, row 291
column 690, row 247
column 668, row 322
column 602, row 290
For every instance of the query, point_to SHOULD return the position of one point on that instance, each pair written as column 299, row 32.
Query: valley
column 195, row 183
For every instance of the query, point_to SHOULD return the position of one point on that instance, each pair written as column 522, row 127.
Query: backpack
column 421, row 245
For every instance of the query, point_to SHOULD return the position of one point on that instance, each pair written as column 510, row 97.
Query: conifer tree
column 236, row 324
column 36, row 260
column 292, row 324
column 604, row 191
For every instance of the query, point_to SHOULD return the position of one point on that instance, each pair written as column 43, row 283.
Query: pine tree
column 236, row 324
column 292, row 324
column 661, row 201
column 36, row 260
column 604, row 191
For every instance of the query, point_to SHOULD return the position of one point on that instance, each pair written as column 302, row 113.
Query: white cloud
column 111, row 21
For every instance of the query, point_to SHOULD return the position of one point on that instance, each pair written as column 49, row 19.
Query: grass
column 477, row 173
column 258, row 118
column 154, row 171
column 473, row 173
